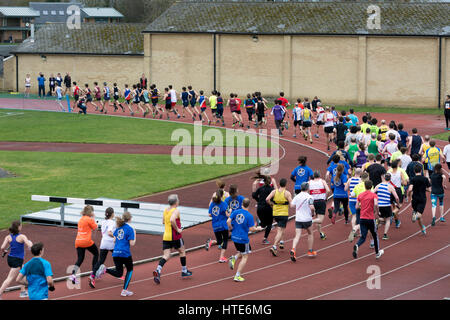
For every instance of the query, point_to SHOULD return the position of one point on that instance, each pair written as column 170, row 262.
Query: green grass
column 442, row 136
column 35, row 126
column 118, row 176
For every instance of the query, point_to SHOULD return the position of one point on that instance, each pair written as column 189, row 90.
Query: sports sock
column 183, row 261
column 238, row 274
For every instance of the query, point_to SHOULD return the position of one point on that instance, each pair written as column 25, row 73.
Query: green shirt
column 352, row 149
column 374, row 129
column 213, row 102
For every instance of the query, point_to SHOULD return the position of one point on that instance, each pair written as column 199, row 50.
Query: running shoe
column 385, row 237
column 73, row 278
column 316, row 136
column 346, row 221
column 323, row 236
column 92, row 281
column 219, row 247
column 379, row 254
column 286, row 125
column 265, row 241
column 281, row 244
column 122, row 278
column 442, row 219
column 333, row 219
column 132, row 113
column 414, row 216
column 311, row 141
column 238, row 279
column 126, row 293
column 398, row 224
column 178, row 116
column 330, row 213
column 351, row 236
column 424, row 231
column 273, row 251
column 223, row 260
column 293, row 256
column 231, row 262
column 23, row 294
column 372, row 244
column 433, row 222
column 101, row 271
column 208, row 244
column 355, row 251
column 186, row 274
column 209, row 122
column 157, row 277
column 294, row 136
column 312, row 254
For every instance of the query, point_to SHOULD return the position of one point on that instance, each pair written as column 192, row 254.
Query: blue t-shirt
column 234, row 204
column 241, row 220
column 353, row 119
column 185, row 97
column 36, row 271
column 122, row 245
column 41, row 81
column 278, row 112
column 332, row 168
column 339, row 187
column 301, row 174
column 219, row 217
column 403, row 136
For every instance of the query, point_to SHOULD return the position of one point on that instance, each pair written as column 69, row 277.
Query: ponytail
column 233, row 191
column 108, row 213
column 14, row 229
column 120, row 221
column 218, row 197
column 339, row 172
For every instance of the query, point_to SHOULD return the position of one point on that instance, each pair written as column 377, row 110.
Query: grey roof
column 102, row 13
column 106, row 39
column 298, row 17
column 18, row 12
column 57, row 7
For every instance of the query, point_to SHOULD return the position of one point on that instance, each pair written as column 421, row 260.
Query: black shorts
column 116, row 98
column 320, row 206
column 168, row 106
column 76, row 97
column 243, row 248
column 303, row 225
column 385, row 212
column 307, row 124
column 14, row 262
column 98, row 99
column 175, row 244
column 260, row 117
column 399, row 194
column 328, row 129
column 106, row 98
column 89, row 99
column 282, row 221
column 298, row 123
column 419, row 205
column 237, row 112
column 154, row 102
column 320, row 123
column 185, row 104
column 222, row 238
column 127, row 101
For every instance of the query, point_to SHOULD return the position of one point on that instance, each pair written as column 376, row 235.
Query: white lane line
column 420, row 287
column 383, row 274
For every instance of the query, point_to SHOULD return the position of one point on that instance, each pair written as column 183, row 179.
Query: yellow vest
column 168, row 234
column 281, row 207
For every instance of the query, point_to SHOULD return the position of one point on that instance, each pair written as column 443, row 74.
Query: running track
column 413, row 267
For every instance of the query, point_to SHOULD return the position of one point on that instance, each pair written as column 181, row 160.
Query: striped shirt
column 384, row 195
column 353, row 183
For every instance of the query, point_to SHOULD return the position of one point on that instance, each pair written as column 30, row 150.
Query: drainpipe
column 17, row 73
column 440, row 72
column 215, row 62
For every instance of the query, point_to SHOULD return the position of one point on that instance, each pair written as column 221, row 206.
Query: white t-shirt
column 107, row 241
column 173, row 95
column 397, row 135
column 447, row 153
column 329, row 120
column 406, row 160
column 302, row 202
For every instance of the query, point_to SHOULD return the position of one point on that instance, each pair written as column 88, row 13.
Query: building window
column 61, row 13
column 45, row 13
column 26, row 20
column 53, row 13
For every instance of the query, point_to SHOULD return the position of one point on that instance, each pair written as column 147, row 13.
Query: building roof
column 53, row 12
column 102, row 13
column 298, row 17
column 18, row 12
column 91, row 39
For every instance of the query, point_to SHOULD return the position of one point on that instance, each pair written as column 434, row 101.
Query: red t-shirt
column 366, row 199
column 284, row 101
column 239, row 102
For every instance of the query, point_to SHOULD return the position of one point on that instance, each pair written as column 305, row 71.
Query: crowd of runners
column 376, row 167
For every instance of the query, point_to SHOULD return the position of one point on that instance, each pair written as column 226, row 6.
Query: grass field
column 35, row 126
column 442, row 136
column 118, row 176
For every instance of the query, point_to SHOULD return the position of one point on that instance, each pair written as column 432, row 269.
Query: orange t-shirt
column 84, row 235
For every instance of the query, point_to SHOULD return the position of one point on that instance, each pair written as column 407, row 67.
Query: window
column 61, row 13
column 53, row 13
column 45, row 13
column 26, row 20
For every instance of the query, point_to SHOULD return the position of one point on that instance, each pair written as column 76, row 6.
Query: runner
column 415, row 142
column 221, row 185
column 353, row 118
column 155, row 98
column 304, row 209
column 27, row 85
column 320, row 191
column 219, row 109
column 59, row 97
column 438, row 186
column 59, row 79
column 329, row 126
column 184, row 96
column 218, row 212
column 107, row 244
column 368, row 203
column 16, row 242
column 340, row 196
column 403, row 135
column 301, row 174
column 193, row 100
column 84, row 241
column 172, row 239
column 234, row 201
column 202, row 104
column 383, row 130
column 432, row 157
column 116, row 97
column 389, row 148
column 418, row 188
column 240, row 223
column 106, row 97
column 297, row 116
column 307, row 124
column 351, row 149
column 349, row 187
column 373, row 145
column 386, row 194
column 173, row 99
column 76, row 92
column 280, row 200
column 213, row 104
column 232, row 104
column 360, row 156
column 278, row 113
column 137, row 98
column 145, row 97
column 37, row 274
column 81, row 104
column 250, row 108
column 98, row 95
column 127, row 96
column 264, row 211
column 399, row 179
column 124, row 238
column 319, row 118
column 447, row 111
column 315, row 103
column 423, row 150
column 446, row 153
column 376, row 171
column 88, row 94
column 261, row 109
